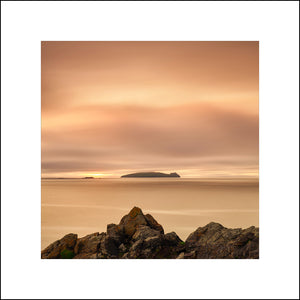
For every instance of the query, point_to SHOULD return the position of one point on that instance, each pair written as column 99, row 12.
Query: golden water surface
column 84, row 206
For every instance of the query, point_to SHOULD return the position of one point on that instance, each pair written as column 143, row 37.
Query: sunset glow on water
column 181, row 205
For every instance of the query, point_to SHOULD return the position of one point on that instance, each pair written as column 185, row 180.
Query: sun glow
column 97, row 175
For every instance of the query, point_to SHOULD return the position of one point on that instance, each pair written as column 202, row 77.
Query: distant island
column 89, row 177
column 150, row 174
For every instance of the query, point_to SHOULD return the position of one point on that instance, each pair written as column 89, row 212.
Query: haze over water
column 85, row 206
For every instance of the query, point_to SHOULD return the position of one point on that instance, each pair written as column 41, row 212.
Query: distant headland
column 150, row 174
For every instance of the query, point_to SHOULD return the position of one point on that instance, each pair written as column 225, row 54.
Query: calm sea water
column 85, row 206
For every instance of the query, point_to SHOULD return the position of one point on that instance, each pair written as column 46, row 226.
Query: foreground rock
column 216, row 241
column 61, row 248
column 140, row 236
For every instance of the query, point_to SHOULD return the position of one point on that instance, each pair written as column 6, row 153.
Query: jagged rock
column 114, row 232
column 216, row 241
column 247, row 244
column 88, row 246
column 144, row 241
column 55, row 250
column 143, row 232
column 152, row 223
column 153, row 242
column 157, row 246
column 172, row 239
column 140, row 236
column 130, row 222
column 109, row 248
column 137, row 245
column 143, row 248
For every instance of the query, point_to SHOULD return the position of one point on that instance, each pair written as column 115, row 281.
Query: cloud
column 108, row 138
column 148, row 72
column 117, row 106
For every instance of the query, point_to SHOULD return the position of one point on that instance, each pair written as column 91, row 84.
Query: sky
column 113, row 108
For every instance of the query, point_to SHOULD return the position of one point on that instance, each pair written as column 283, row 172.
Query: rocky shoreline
column 140, row 236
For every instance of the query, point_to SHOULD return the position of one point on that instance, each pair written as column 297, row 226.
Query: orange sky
column 110, row 108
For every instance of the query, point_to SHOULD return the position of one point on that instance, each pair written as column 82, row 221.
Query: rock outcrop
column 61, row 248
column 141, row 236
column 216, row 241
column 150, row 174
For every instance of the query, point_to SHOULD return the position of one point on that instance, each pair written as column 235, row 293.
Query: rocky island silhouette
column 140, row 236
column 150, row 174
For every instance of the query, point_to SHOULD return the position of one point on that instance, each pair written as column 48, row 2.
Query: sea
column 85, row 206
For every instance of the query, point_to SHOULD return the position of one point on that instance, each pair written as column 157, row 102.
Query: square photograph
column 149, row 149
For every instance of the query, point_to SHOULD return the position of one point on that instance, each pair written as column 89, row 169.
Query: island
column 89, row 177
column 150, row 174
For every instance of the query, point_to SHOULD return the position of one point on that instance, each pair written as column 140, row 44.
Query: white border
column 274, row 24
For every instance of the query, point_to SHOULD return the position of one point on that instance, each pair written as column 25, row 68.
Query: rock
column 191, row 254
column 152, row 223
column 59, row 248
column 145, row 242
column 109, row 248
column 172, row 239
column 125, row 256
column 216, row 241
column 180, row 256
column 150, row 174
column 140, row 236
column 130, row 222
column 88, row 246
column 153, row 242
column 122, row 248
column 143, row 232
column 172, row 246
column 144, row 248
column 114, row 232
column 137, row 245
column 246, row 245
column 135, row 250
column 157, row 246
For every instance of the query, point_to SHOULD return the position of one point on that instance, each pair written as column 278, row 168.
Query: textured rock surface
column 88, row 246
column 55, row 250
column 130, row 222
column 216, row 241
column 141, row 236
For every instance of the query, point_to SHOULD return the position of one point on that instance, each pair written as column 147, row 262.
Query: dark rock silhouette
column 140, row 236
column 150, row 174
